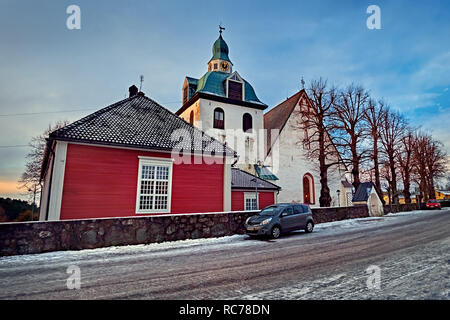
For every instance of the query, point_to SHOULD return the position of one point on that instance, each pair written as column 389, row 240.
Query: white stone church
column 225, row 105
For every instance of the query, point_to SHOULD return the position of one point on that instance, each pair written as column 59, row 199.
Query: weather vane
column 221, row 29
column 303, row 83
column 141, row 78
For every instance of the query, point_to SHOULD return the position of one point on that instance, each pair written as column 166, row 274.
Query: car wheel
column 276, row 232
column 309, row 227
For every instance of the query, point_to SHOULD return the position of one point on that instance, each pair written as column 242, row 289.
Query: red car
column 433, row 204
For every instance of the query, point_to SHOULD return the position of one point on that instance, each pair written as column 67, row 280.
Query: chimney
column 133, row 90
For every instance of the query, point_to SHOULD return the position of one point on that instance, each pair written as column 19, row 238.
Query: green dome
column 220, row 50
column 213, row 82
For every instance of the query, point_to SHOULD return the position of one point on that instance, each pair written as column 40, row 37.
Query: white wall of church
column 244, row 143
column 289, row 163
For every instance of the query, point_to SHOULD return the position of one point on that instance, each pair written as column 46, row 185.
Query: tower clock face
column 224, row 66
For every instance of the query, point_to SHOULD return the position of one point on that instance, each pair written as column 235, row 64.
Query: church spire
column 220, row 60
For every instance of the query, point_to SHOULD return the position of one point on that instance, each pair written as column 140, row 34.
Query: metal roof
column 264, row 173
column 214, row 82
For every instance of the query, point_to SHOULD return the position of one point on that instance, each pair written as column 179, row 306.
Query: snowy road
column 412, row 251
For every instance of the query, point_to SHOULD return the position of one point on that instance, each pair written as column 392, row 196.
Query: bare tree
column 349, row 127
column 436, row 162
column 30, row 179
column 374, row 116
column 392, row 131
column 405, row 158
column 314, row 122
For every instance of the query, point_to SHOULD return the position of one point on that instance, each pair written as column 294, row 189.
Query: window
column 250, row 201
column 247, row 125
column 289, row 211
column 154, row 185
column 219, row 119
column 191, row 117
column 215, row 66
column 298, row 209
column 234, row 90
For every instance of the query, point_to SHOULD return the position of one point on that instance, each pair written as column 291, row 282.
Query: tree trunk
column 355, row 166
column 376, row 166
column 325, row 198
column 393, row 180
column 407, row 186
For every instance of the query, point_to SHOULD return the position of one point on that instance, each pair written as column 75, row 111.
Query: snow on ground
column 190, row 246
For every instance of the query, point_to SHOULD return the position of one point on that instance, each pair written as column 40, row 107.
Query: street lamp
column 256, row 191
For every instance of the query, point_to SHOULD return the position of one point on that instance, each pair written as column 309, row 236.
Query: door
column 288, row 221
column 300, row 216
column 306, row 191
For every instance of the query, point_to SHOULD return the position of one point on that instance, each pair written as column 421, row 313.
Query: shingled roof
column 243, row 180
column 137, row 122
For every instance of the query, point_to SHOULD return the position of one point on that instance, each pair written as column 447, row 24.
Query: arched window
column 247, row 124
column 308, row 189
column 219, row 118
column 191, row 117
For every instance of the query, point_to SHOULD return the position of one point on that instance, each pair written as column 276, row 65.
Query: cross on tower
column 221, row 29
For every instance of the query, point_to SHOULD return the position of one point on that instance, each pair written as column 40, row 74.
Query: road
column 412, row 251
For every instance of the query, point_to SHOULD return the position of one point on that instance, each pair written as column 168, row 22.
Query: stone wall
column 401, row 207
column 37, row 237
column 321, row 215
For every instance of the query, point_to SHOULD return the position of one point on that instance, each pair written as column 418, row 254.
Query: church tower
column 221, row 102
column 220, row 60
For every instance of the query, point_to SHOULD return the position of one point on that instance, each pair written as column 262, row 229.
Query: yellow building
column 401, row 199
column 442, row 195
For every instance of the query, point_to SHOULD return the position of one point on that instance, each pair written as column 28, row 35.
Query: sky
column 50, row 73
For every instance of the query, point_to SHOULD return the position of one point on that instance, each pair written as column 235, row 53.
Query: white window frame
column 160, row 163
column 250, row 196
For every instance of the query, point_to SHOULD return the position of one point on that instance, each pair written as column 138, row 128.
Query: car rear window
column 305, row 208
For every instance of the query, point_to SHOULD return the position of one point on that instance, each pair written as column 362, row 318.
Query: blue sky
column 46, row 67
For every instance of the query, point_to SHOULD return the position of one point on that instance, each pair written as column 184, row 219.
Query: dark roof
column 363, row 191
column 137, row 122
column 242, row 180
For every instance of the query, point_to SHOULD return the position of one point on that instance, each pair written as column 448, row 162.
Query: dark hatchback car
column 280, row 218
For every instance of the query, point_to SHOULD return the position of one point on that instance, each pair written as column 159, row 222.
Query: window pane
column 161, row 187
column 160, row 202
column 148, row 172
column 146, row 187
column 162, row 173
column 146, row 203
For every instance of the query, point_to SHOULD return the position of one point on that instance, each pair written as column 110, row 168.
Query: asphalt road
column 412, row 252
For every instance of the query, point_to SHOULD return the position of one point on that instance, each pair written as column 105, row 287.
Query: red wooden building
column 118, row 162
column 249, row 192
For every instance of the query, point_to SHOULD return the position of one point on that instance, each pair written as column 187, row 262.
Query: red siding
column 266, row 198
column 102, row 182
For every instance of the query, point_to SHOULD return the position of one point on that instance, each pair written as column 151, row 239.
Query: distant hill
column 16, row 210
